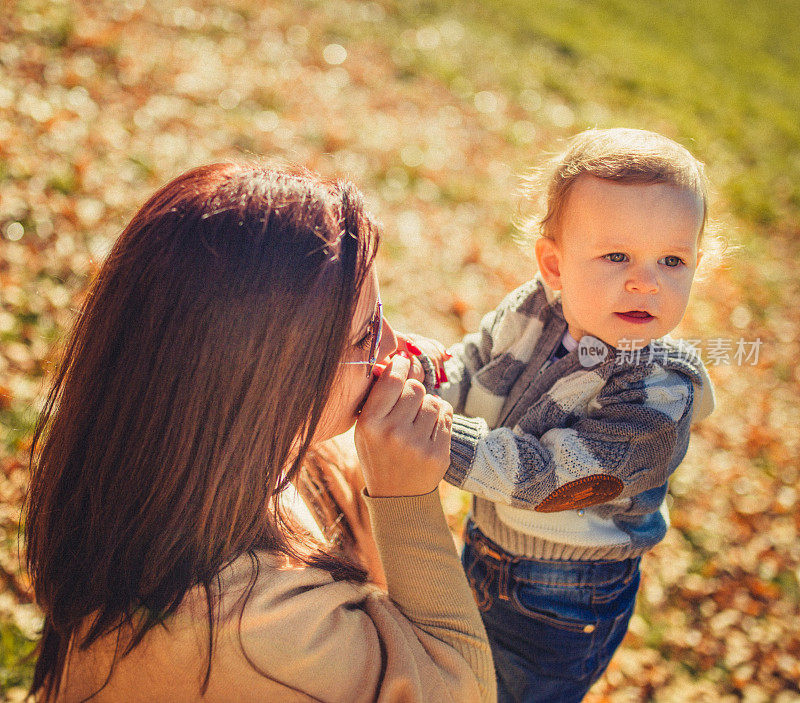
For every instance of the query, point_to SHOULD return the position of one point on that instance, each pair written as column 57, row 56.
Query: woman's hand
column 416, row 344
column 402, row 434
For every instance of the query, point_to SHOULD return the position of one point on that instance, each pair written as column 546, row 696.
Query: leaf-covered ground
column 434, row 109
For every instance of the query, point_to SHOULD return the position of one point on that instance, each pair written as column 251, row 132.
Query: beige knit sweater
column 314, row 638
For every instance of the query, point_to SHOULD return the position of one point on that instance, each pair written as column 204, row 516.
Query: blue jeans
column 553, row 625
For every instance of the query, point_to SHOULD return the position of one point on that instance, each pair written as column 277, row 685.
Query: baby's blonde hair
column 621, row 155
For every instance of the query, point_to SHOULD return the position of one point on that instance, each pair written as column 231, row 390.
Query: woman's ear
column 548, row 258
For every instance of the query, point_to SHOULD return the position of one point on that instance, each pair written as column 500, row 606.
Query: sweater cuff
column 401, row 508
column 466, row 433
column 430, row 372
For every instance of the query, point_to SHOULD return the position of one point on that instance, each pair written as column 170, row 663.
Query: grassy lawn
column 720, row 76
column 434, row 108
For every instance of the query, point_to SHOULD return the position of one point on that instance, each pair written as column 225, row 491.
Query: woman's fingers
column 442, row 431
column 417, row 372
column 427, row 416
column 434, row 350
column 407, row 407
column 436, row 421
column 386, row 390
column 405, row 343
column 403, row 435
column 440, row 435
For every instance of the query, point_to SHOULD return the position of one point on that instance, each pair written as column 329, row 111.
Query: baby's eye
column 672, row 261
column 616, row 257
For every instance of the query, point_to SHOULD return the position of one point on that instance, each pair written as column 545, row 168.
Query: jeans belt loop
column 500, row 563
column 503, row 574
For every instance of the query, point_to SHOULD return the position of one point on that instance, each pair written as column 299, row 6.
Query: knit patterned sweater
column 566, row 459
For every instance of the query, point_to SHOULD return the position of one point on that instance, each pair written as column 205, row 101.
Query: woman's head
column 195, row 379
column 371, row 339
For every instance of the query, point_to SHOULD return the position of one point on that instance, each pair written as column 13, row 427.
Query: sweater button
column 588, row 629
column 581, row 512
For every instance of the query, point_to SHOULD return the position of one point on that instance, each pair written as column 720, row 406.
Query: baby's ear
column 548, row 258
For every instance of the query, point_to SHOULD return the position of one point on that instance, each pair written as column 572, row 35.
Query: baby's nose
column 642, row 281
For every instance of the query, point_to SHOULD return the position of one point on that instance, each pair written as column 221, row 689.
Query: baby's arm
column 465, row 358
column 628, row 444
column 448, row 372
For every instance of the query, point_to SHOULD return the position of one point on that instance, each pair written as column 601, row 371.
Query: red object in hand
column 413, row 348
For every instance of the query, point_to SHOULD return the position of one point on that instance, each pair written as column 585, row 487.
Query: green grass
column 16, row 664
column 719, row 76
column 16, row 424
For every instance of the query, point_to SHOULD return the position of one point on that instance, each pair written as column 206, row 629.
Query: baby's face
column 624, row 260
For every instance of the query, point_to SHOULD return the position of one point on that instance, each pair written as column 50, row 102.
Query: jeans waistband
column 552, row 572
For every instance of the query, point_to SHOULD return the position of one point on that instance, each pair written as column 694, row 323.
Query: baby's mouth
column 637, row 316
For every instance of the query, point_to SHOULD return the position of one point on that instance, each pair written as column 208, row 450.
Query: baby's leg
column 553, row 626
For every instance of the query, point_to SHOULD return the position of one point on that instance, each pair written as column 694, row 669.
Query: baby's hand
column 416, row 344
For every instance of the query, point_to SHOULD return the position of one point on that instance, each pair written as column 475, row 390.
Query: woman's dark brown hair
column 187, row 398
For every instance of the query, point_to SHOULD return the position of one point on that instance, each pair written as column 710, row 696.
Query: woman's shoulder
column 281, row 629
column 296, row 622
column 268, row 613
column 264, row 578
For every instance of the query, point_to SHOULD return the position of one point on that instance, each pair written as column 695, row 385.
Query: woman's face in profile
column 352, row 382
